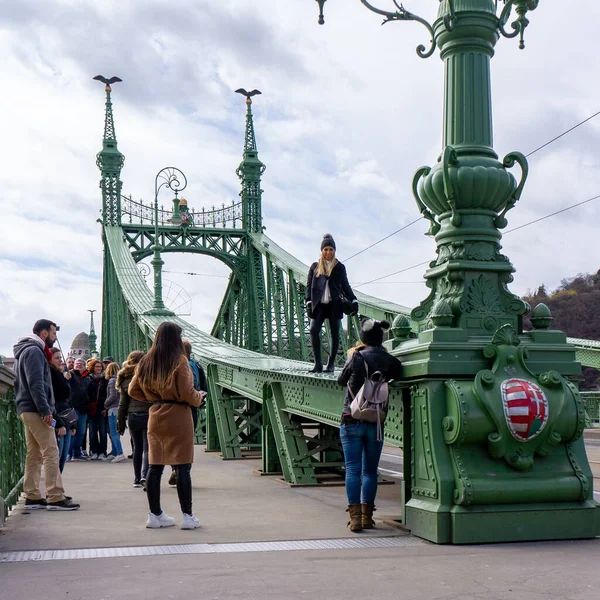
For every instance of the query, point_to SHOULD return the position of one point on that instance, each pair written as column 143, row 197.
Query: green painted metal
column 592, row 408
column 451, row 431
column 12, row 445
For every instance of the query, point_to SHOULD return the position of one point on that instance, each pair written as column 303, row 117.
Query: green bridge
column 470, row 474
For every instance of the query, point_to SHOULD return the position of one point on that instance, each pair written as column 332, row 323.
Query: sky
column 348, row 113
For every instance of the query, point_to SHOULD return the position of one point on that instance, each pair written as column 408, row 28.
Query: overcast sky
column 348, row 113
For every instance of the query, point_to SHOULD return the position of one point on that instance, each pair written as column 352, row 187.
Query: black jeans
column 320, row 314
column 138, row 428
column 184, row 488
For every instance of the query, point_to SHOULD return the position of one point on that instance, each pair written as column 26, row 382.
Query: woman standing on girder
column 164, row 379
column 328, row 296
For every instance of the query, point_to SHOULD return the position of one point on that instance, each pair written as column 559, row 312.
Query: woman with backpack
column 164, row 379
column 362, row 441
column 328, row 297
column 134, row 414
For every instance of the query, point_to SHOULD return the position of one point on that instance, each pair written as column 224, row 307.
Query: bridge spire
column 110, row 162
column 250, row 171
column 93, row 338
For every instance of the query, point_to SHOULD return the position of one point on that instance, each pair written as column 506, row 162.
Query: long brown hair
column 111, row 370
column 129, row 366
column 156, row 370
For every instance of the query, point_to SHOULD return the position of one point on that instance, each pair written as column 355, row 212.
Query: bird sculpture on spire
column 248, row 94
column 106, row 81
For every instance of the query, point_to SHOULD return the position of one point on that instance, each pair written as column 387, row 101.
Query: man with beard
column 35, row 404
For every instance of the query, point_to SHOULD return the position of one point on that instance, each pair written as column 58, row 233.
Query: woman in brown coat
column 164, row 378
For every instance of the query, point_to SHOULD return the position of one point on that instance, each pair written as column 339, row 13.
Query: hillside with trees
column 575, row 306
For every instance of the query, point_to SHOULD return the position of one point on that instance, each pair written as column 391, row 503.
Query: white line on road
column 391, row 473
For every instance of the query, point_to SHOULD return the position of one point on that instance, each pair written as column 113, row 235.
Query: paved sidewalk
column 232, row 503
column 236, row 506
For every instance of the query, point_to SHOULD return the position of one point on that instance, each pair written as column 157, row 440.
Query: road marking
column 397, row 456
column 294, row 545
column 391, row 473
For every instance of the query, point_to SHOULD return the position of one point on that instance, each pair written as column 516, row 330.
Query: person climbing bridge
column 328, row 297
column 360, row 440
column 164, row 378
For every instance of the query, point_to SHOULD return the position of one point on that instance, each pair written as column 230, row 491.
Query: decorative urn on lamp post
column 493, row 440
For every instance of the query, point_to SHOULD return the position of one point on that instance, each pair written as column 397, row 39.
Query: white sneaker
column 190, row 522
column 93, row 456
column 118, row 458
column 162, row 520
column 108, row 458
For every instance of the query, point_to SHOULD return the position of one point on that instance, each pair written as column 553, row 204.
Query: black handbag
column 348, row 306
column 70, row 417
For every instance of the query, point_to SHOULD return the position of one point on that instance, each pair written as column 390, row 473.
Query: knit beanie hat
column 371, row 332
column 328, row 241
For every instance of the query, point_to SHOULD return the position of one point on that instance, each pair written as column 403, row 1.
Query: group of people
column 156, row 395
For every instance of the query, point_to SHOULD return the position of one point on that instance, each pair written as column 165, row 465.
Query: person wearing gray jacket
column 35, row 404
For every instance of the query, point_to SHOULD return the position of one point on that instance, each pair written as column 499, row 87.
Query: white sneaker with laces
column 190, row 521
column 157, row 521
column 118, row 458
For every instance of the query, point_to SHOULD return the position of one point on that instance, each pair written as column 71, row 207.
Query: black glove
column 309, row 309
column 355, row 307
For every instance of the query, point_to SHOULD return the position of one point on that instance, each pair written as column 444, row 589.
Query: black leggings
column 320, row 314
column 140, row 453
column 184, row 488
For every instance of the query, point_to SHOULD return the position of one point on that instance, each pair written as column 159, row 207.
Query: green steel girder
column 228, row 245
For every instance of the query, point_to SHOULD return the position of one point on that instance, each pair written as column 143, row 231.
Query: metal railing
column 592, row 408
column 140, row 213
column 12, row 445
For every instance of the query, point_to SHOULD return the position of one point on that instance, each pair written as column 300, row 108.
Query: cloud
column 348, row 113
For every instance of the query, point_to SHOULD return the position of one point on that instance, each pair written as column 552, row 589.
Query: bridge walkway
column 124, row 560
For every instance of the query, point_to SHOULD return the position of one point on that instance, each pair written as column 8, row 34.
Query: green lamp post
column 495, row 423
column 176, row 181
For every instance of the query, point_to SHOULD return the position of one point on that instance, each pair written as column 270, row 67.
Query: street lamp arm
column 521, row 7
column 404, row 15
column 172, row 177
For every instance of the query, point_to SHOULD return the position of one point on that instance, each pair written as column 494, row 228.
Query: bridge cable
column 384, row 238
column 558, row 212
column 527, row 155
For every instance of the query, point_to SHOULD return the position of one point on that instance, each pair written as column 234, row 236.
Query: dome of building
column 80, row 346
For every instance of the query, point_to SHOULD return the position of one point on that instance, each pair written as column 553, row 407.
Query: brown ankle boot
column 355, row 522
column 367, row 516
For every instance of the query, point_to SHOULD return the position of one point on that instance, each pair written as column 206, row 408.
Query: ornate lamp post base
column 493, row 425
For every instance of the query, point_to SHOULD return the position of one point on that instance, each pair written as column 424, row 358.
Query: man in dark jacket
column 35, row 405
column 80, row 401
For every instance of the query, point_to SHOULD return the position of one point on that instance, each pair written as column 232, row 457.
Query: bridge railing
column 592, row 408
column 133, row 212
column 12, row 445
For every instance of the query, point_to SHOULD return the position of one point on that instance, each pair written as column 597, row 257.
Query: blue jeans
column 77, row 439
column 115, row 438
column 64, row 447
column 362, row 452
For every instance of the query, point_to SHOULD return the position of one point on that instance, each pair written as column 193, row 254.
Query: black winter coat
column 353, row 374
column 62, row 392
column 80, row 399
column 338, row 284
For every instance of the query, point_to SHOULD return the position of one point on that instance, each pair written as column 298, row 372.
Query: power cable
column 384, row 238
column 558, row 212
column 563, row 134
column 197, row 274
column 527, row 155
